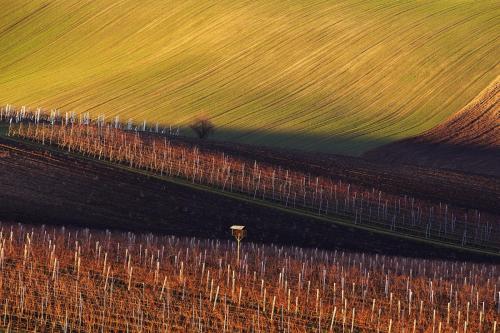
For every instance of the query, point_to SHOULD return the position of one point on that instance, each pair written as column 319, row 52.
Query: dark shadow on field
column 62, row 190
column 467, row 158
column 349, row 145
column 440, row 182
column 470, row 159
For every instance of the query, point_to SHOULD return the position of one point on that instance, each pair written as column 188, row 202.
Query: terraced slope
column 331, row 76
column 469, row 140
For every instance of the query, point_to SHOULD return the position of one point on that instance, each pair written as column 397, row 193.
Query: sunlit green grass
column 333, row 76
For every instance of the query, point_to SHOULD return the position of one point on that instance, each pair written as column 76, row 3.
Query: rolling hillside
column 468, row 141
column 329, row 76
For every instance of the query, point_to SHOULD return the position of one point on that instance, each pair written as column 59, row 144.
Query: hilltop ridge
column 325, row 76
column 468, row 141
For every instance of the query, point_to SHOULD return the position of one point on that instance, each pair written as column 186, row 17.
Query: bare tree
column 202, row 127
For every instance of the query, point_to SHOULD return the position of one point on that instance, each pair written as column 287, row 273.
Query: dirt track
column 56, row 188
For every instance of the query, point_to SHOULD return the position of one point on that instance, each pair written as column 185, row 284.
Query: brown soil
column 56, row 188
column 468, row 141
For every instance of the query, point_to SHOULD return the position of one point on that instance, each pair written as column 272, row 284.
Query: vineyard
column 249, row 166
column 145, row 150
column 74, row 280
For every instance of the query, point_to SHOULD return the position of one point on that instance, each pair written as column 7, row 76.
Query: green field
column 331, row 76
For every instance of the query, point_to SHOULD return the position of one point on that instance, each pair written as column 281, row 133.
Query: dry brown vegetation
column 76, row 280
column 69, row 280
column 291, row 189
column 49, row 186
